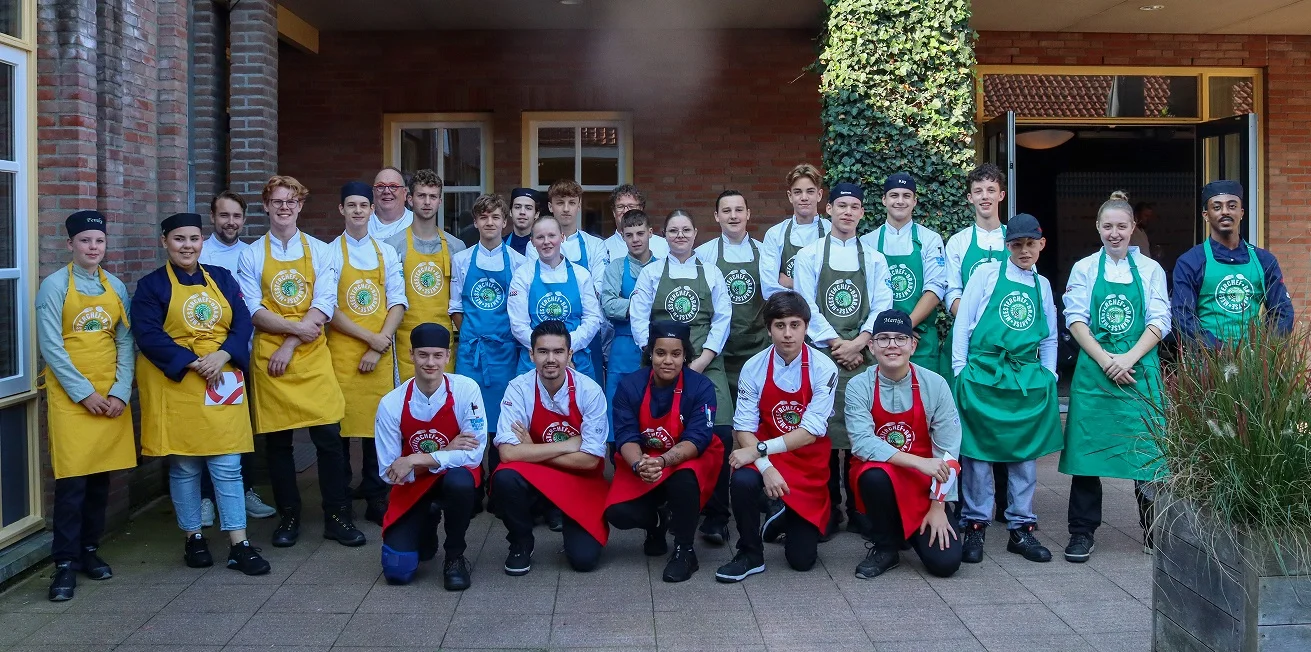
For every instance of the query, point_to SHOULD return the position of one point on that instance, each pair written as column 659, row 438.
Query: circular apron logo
column 1115, row 314
column 362, row 297
column 658, row 439
column 842, row 298
column 1018, row 311
column 201, row 311
column 487, row 294
column 975, row 267
column 741, row 287
column 553, row 305
column 902, row 281
column 790, row 268
column 426, row 279
column 787, row 415
column 559, row 431
column 428, row 440
column 897, row 434
column 289, row 288
column 682, row 304
column 91, row 319
column 1234, row 294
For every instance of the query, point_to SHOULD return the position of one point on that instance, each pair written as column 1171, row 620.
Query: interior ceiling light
column 1142, row 8
column 1043, row 138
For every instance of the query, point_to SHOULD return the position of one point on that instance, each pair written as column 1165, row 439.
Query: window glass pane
column 1091, row 96
column 9, row 353
column 417, row 148
column 7, row 124
column 11, row 18
column 1231, row 96
column 462, row 156
column 457, row 207
column 8, row 202
column 596, row 216
column 15, row 499
column 600, row 156
column 556, row 149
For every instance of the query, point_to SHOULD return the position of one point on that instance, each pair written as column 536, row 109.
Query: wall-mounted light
column 571, row 2
column 1143, row 8
column 1043, row 138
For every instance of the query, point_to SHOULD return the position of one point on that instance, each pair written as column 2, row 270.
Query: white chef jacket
column 842, row 258
column 616, row 248
column 214, row 252
column 900, row 242
column 1078, row 290
column 598, row 256
column 469, row 412
column 771, row 253
column 994, row 240
column 250, row 270
column 708, row 252
column 974, row 302
column 522, row 281
column 384, row 231
column 364, row 257
column 787, row 377
column 520, row 400
column 488, row 261
column 648, row 281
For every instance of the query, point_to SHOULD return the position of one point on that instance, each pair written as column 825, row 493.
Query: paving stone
column 1104, row 616
column 112, row 597
column 189, row 629
column 220, row 598
column 396, row 629
column 582, row 628
column 341, row 598
column 279, row 629
column 15, row 627
column 88, row 629
column 492, row 629
column 1007, row 620
column 695, row 631
column 1058, row 643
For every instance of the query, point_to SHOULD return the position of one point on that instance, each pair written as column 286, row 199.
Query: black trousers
column 453, row 494
column 207, row 483
column 801, row 543
column 683, row 495
column 1085, row 511
column 516, row 498
column 886, row 531
column 332, row 469
column 839, row 467
column 371, row 484
column 718, row 508
column 79, row 515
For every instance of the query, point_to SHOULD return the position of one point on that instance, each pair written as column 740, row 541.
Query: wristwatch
column 762, row 449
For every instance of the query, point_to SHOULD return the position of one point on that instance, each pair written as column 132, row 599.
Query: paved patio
column 322, row 596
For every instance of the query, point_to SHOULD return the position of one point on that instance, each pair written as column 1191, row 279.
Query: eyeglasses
column 886, row 341
column 284, row 203
column 385, row 188
column 627, row 207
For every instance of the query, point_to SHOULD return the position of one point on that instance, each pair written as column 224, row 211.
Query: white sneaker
column 256, row 507
column 206, row 512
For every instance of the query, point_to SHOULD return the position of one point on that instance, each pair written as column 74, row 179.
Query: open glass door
column 999, row 149
column 1226, row 149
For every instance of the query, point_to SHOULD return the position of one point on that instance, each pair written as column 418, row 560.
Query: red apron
column 659, row 434
column 804, row 469
column 909, row 436
column 423, row 437
column 579, row 494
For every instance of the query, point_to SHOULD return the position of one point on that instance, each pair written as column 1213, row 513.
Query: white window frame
column 21, row 271
column 395, row 123
column 533, row 122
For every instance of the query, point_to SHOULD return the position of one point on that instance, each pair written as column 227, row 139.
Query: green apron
column 907, row 275
column 841, row 299
column 1231, row 296
column 1107, row 431
column 1008, row 406
column 788, row 261
column 687, row 301
column 973, row 258
column 747, row 334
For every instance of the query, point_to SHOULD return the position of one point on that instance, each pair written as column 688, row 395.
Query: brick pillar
column 253, row 110
column 172, row 166
column 209, row 117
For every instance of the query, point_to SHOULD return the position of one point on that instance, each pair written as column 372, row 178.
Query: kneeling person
column 905, row 432
column 430, row 433
column 669, row 458
column 551, row 438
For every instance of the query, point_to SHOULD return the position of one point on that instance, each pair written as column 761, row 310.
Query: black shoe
column 555, row 520
column 245, row 558
column 455, row 574
column 857, row 523
column 879, row 560
column 743, row 566
column 1149, row 545
column 655, row 544
column 196, row 552
column 771, row 529
column 714, row 530
column 339, row 527
column 1080, row 548
column 93, row 566
column 63, row 582
column 287, row 532
column 519, row 561
column 375, row 510
column 1022, row 542
column 972, row 547
column 681, row 565
column 358, row 492
column 833, row 528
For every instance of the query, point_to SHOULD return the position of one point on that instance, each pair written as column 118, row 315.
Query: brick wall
column 1287, row 110
column 209, row 115
column 253, row 103
column 711, row 109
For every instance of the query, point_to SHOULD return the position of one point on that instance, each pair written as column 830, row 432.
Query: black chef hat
column 85, row 221
column 179, row 220
column 430, row 335
column 899, row 180
column 893, row 321
column 1222, row 187
column 356, row 188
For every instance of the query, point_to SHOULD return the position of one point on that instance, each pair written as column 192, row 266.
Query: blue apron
column 560, row 301
column 625, row 357
column 487, row 352
column 600, row 346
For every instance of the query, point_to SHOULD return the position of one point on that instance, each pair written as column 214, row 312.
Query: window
column 11, row 18
column 457, row 146
column 594, row 149
column 15, row 305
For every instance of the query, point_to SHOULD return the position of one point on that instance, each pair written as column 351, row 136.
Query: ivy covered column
column 898, row 94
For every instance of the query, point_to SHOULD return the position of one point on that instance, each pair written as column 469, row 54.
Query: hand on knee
column 398, row 567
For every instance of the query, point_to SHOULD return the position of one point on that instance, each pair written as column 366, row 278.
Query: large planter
column 1217, row 592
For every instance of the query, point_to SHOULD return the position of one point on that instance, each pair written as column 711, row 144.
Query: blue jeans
column 977, row 494
column 184, row 488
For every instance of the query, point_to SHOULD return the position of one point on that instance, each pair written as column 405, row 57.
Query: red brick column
column 253, row 112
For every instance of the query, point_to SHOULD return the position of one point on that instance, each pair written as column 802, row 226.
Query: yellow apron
column 361, row 295
column 428, row 288
column 185, row 417
column 307, row 394
column 82, row 443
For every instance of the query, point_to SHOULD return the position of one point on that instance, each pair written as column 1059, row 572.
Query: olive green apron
column 789, row 258
column 1231, row 296
column 1008, row 406
column 747, row 334
column 687, row 301
column 906, row 273
column 973, row 258
column 1109, row 429
column 842, row 301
